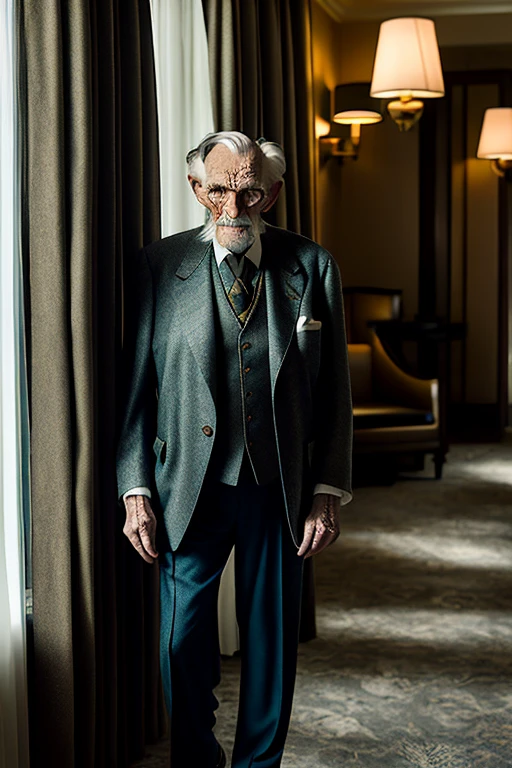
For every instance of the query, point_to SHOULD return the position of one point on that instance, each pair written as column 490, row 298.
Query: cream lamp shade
column 496, row 134
column 407, row 61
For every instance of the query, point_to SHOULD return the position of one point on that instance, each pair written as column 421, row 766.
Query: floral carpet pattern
column 412, row 666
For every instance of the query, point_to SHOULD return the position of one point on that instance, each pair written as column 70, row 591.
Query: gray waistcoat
column 244, row 399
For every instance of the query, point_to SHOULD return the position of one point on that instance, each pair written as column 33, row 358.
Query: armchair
column 394, row 411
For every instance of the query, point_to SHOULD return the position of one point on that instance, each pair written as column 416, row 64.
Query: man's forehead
column 221, row 162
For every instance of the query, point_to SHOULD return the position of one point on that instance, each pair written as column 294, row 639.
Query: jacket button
column 247, row 369
column 208, row 431
column 246, row 345
column 249, row 418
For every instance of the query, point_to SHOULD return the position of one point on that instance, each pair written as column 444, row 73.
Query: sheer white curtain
column 184, row 104
column 185, row 115
column 13, row 690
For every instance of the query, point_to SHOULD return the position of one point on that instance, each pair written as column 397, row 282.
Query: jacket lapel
column 284, row 286
column 197, row 307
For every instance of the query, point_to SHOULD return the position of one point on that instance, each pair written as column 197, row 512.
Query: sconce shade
column 354, row 105
column 407, row 61
column 496, row 134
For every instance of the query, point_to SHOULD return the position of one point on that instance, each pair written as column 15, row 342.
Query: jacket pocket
column 160, row 449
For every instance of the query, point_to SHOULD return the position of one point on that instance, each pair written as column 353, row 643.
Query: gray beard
column 208, row 231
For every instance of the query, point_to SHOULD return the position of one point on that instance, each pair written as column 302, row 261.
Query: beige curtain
column 92, row 200
column 261, row 75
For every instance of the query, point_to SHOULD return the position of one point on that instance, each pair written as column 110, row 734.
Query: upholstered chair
column 394, row 411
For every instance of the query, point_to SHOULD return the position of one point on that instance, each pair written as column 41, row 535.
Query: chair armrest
column 392, row 384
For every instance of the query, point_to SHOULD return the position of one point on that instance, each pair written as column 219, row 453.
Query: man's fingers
column 309, row 531
column 135, row 541
column 147, row 539
column 141, row 550
column 147, row 526
column 321, row 540
column 140, row 527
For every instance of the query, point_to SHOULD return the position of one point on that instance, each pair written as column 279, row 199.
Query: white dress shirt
column 254, row 254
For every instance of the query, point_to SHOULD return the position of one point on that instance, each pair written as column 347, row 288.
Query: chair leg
column 439, row 459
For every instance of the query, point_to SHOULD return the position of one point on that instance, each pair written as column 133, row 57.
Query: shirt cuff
column 345, row 496
column 137, row 492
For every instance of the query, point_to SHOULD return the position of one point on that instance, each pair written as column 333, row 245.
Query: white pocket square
column 308, row 325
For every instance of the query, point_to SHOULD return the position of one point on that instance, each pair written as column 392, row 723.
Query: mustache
column 207, row 232
column 240, row 221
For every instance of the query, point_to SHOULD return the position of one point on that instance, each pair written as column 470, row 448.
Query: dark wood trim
column 443, row 224
column 427, row 213
column 504, row 212
column 505, row 251
column 464, row 351
column 434, row 272
column 435, row 211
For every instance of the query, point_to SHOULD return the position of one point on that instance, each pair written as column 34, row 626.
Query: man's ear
column 272, row 196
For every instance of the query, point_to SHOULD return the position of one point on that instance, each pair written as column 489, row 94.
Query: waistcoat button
column 246, row 345
column 208, row 431
column 246, row 370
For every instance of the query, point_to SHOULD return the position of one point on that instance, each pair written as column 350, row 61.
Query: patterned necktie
column 239, row 276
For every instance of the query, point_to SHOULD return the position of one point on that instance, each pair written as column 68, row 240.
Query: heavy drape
column 261, row 74
column 92, row 200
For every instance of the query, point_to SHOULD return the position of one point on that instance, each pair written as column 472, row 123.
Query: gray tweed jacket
column 169, row 418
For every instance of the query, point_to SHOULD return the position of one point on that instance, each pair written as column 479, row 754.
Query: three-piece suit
column 232, row 425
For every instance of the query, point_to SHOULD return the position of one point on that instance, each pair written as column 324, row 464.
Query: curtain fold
column 261, row 75
column 92, row 200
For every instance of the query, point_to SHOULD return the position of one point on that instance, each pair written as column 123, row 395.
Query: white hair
column 273, row 165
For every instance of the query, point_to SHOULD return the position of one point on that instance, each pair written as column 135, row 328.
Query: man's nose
column 231, row 205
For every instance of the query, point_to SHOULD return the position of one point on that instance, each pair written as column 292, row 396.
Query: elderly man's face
column 234, row 195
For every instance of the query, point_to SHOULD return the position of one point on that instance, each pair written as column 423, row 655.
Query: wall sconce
column 352, row 106
column 407, row 67
column 496, row 140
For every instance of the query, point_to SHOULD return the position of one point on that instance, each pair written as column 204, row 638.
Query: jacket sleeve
column 331, row 459
column 135, row 459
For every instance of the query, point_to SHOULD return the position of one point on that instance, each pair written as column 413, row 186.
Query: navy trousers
column 268, row 578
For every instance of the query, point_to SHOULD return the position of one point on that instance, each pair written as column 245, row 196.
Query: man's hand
column 140, row 526
column 322, row 524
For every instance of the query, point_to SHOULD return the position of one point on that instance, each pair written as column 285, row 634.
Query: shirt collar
column 254, row 252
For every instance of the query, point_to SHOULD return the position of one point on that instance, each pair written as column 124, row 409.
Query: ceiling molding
column 347, row 10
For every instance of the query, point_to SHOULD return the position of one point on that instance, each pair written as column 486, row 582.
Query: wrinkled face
column 233, row 193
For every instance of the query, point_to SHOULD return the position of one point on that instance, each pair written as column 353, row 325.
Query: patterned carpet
column 413, row 664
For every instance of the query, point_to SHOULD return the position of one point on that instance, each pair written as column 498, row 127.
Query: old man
column 237, row 432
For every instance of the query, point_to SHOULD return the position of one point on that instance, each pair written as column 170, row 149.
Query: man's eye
column 216, row 195
column 252, row 196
